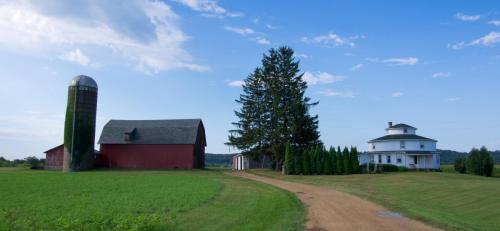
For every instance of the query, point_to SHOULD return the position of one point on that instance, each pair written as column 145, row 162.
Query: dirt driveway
column 328, row 209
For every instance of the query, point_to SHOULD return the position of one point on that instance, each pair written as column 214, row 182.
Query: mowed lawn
column 448, row 200
column 142, row 200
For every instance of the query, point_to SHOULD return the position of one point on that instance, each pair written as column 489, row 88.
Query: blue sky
column 434, row 65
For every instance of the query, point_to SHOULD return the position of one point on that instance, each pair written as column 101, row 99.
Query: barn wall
column 54, row 158
column 149, row 156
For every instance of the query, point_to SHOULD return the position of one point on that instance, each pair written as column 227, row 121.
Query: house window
column 373, row 147
column 402, row 144
column 399, row 160
column 422, row 146
column 405, row 130
column 388, row 158
column 372, row 158
column 379, row 158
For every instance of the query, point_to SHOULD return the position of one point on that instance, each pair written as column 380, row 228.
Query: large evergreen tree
column 333, row 155
column 289, row 160
column 274, row 109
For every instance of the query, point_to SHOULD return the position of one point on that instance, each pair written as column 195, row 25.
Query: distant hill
column 449, row 156
column 219, row 160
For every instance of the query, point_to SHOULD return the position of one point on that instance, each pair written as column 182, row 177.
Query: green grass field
column 142, row 200
column 448, row 200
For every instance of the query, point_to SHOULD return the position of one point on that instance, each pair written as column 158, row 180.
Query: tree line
column 274, row 110
column 32, row 162
column 478, row 162
column 319, row 161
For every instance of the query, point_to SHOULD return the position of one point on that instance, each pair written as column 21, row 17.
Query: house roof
column 54, row 148
column 177, row 131
column 402, row 137
column 402, row 126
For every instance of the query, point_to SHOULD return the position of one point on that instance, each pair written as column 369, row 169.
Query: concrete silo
column 79, row 125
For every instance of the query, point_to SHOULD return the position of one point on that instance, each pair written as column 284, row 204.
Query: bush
column 479, row 162
column 403, row 169
column 389, row 168
column 460, row 165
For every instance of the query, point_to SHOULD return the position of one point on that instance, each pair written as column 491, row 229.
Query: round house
column 401, row 146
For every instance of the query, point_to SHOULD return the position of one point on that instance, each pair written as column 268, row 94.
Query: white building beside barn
column 401, row 146
column 242, row 162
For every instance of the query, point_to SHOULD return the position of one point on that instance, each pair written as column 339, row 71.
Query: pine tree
column 354, row 160
column 328, row 169
column 319, row 160
column 275, row 109
column 307, row 163
column 298, row 158
column 289, row 160
column 312, row 158
column 333, row 155
column 347, row 164
column 340, row 162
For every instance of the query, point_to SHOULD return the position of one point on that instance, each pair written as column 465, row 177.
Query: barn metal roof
column 401, row 137
column 176, row 131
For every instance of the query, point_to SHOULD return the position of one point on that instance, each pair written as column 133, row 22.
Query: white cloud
column 467, row 18
column 240, row 31
column 332, row 39
column 31, row 29
column 453, row 99
column 356, row 67
column 397, row 94
column 487, row 40
column 410, row 61
column 76, row 56
column 494, row 22
column 270, row 27
column 262, row 41
column 236, row 83
column 302, row 55
column 342, row 94
column 209, row 8
column 321, row 78
column 441, row 75
column 32, row 126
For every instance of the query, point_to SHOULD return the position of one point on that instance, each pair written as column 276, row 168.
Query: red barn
column 54, row 157
column 153, row 144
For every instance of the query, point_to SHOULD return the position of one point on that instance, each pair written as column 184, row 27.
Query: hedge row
column 319, row 161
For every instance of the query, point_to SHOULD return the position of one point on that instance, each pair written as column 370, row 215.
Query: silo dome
column 83, row 80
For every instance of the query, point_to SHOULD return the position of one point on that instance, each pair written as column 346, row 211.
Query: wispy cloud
column 397, row 94
column 76, row 56
column 262, row 41
column 26, row 27
column 235, row 83
column 494, row 22
column 209, row 8
column 409, row 61
column 342, row 94
column 271, row 27
column 332, row 39
column 452, row 99
column 467, row 18
column 441, row 75
column 302, row 55
column 321, row 78
column 240, row 31
column 487, row 40
column 356, row 67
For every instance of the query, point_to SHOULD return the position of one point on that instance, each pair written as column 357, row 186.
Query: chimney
column 390, row 124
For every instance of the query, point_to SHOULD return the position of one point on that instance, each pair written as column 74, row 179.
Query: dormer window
column 422, row 145
column 129, row 135
column 373, row 147
column 402, row 144
column 405, row 130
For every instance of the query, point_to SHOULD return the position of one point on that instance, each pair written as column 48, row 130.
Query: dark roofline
column 56, row 147
column 401, row 137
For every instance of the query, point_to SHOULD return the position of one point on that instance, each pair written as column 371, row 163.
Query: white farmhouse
column 403, row 147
